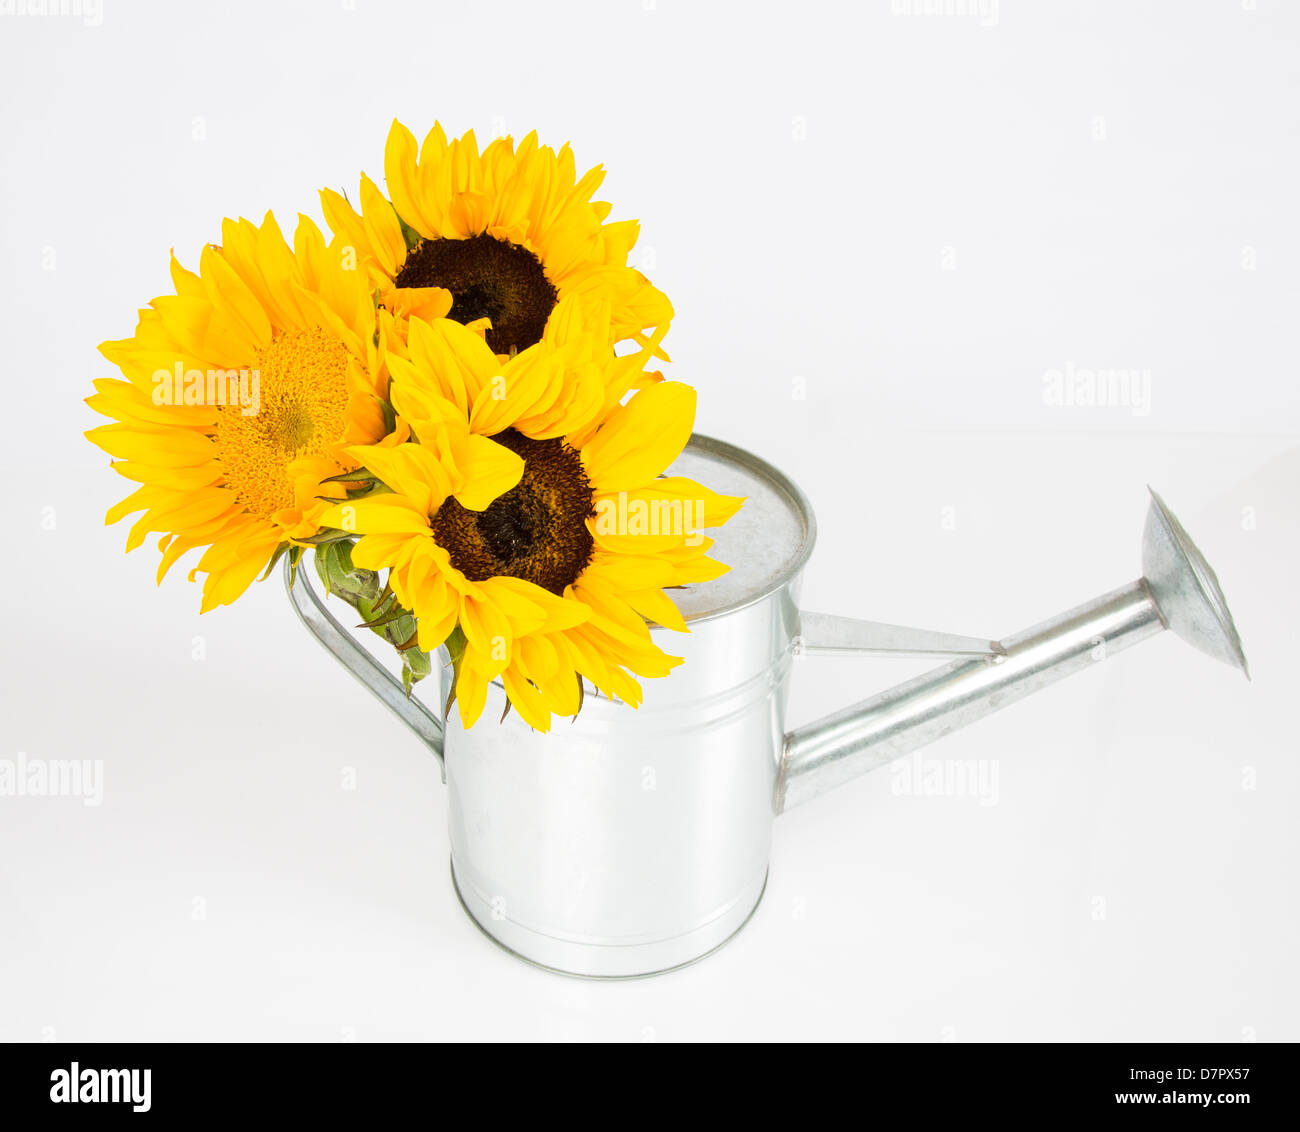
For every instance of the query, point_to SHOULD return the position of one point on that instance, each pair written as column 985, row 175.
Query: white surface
column 806, row 176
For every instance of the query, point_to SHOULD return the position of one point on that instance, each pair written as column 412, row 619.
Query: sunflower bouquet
column 449, row 403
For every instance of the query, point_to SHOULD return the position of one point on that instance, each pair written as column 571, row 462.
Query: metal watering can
column 632, row 842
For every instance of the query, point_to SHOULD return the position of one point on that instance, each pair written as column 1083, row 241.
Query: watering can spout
column 1178, row 591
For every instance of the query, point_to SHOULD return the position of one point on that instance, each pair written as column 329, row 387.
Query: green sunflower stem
column 377, row 605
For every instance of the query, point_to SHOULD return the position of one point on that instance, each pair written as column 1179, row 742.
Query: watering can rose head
column 452, row 389
column 526, row 523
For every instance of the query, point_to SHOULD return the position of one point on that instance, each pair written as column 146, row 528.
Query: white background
column 910, row 219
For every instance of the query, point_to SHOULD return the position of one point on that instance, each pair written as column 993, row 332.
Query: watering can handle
column 345, row 648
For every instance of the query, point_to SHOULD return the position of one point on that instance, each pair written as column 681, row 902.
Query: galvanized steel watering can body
column 634, row 841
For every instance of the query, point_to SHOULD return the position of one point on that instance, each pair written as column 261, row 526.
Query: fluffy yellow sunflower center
column 536, row 531
column 301, row 411
column 488, row 278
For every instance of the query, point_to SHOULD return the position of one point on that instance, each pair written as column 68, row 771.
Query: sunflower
column 243, row 389
column 502, row 235
column 537, row 578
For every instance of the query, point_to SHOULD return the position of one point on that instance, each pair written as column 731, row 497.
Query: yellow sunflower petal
column 487, row 470
column 377, row 515
column 640, row 439
column 400, row 174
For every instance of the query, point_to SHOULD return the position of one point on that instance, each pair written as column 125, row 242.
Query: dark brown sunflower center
column 536, row 531
column 488, row 278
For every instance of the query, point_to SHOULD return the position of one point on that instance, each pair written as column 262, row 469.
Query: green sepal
column 357, row 475
column 416, row 665
column 295, row 558
column 378, row 605
column 280, row 552
column 322, row 571
column 409, row 234
column 384, row 618
column 324, row 538
column 455, row 646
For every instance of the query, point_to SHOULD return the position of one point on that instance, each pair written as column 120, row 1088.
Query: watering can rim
column 795, row 499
